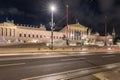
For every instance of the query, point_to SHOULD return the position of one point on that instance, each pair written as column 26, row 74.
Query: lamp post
column 105, row 30
column 52, row 24
column 67, row 37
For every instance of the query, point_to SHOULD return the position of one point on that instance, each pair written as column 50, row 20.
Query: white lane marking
column 32, row 57
column 9, row 54
column 108, row 56
column 37, row 57
column 54, row 53
column 14, row 64
column 72, row 59
column 71, row 71
column 54, row 74
column 84, row 52
column 59, row 64
column 110, row 53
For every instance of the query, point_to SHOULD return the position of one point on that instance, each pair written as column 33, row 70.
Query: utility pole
column 52, row 25
column 113, row 35
column 105, row 30
column 67, row 37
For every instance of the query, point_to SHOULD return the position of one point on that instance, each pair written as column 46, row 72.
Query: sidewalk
column 108, row 75
column 57, row 50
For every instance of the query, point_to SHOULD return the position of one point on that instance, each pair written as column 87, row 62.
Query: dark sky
column 90, row 13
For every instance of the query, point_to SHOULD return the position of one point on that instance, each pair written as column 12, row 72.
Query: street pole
column 67, row 42
column 52, row 30
column 52, row 25
column 105, row 30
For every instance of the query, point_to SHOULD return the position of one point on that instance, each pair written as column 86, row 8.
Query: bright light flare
column 53, row 8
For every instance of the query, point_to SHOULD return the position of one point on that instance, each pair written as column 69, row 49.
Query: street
column 38, row 67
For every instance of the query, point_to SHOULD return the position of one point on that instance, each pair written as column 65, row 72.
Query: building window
column 33, row 36
column 57, row 37
column 44, row 36
column 40, row 36
column 28, row 35
column 13, row 32
column 54, row 37
column 37, row 36
column 24, row 35
column 20, row 35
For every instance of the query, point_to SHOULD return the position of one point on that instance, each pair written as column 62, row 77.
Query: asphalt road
column 33, row 67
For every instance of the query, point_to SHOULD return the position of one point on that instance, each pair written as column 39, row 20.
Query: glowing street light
column 52, row 24
column 52, row 8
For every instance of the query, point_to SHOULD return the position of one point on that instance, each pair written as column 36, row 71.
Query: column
column 69, row 34
column 0, row 32
column 73, row 35
column 10, row 32
column 5, row 31
column 14, row 32
column 79, row 34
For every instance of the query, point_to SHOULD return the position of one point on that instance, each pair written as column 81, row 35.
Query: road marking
column 54, row 74
column 108, row 56
column 112, row 52
column 14, row 64
column 36, row 57
column 72, row 59
column 72, row 71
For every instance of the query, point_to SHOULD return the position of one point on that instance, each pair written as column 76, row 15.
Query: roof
column 77, row 26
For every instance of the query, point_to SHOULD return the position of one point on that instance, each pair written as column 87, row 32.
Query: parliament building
column 78, row 34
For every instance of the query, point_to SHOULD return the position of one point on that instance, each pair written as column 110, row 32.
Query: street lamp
column 105, row 30
column 52, row 24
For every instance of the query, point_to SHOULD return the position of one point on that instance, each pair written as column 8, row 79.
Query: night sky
column 90, row 13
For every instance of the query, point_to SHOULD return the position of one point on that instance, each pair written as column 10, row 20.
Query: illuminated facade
column 11, row 33
column 77, row 34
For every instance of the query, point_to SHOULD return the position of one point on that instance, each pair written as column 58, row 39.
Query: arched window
column 37, row 36
column 24, row 35
column 20, row 35
column 60, row 37
column 54, row 37
column 57, row 37
column 44, row 36
column 40, row 36
column 33, row 36
column 28, row 35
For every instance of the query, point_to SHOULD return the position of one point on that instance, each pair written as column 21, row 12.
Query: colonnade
column 76, row 34
column 9, row 32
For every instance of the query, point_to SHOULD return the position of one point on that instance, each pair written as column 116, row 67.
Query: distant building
column 77, row 35
column 12, row 33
